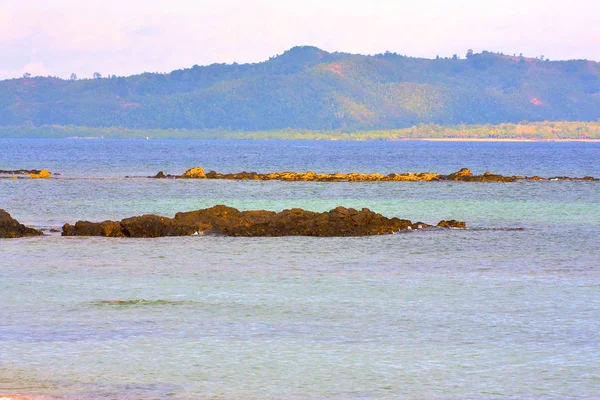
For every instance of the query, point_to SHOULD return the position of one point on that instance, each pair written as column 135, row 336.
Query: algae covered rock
column 11, row 228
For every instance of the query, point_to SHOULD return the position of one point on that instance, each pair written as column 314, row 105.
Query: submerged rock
column 140, row 302
column 228, row 221
column 11, row 228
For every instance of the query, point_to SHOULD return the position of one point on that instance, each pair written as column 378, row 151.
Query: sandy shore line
column 37, row 397
column 505, row 140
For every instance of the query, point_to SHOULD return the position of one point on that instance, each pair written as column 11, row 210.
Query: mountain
column 308, row 88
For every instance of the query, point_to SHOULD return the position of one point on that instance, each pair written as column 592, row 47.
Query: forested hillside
column 308, row 88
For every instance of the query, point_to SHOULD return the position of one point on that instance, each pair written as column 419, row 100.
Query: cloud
column 32, row 68
column 36, row 69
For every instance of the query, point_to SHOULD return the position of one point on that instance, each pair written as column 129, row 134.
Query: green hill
column 308, row 88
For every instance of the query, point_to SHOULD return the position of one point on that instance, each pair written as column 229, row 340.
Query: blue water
column 478, row 314
column 117, row 158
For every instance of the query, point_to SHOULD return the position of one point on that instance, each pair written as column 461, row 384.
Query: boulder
column 462, row 173
column 86, row 228
column 155, row 226
column 11, row 228
column 43, row 174
column 194, row 173
column 452, row 224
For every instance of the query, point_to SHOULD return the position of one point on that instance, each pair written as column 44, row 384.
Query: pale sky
column 124, row 37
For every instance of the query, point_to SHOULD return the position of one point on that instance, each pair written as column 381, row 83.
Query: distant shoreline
column 545, row 131
column 505, row 140
column 332, row 139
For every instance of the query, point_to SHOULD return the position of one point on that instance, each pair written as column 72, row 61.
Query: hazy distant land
column 559, row 131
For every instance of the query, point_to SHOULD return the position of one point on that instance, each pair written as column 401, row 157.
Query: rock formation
column 463, row 175
column 452, row 224
column 11, row 228
column 228, row 221
column 194, row 173
column 32, row 173
column 43, row 174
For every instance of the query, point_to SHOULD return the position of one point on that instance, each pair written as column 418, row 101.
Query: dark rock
column 420, row 225
column 566, row 178
column 162, row 175
column 462, row 173
column 228, row 221
column 452, row 224
column 465, row 175
column 11, row 228
column 32, row 173
column 86, row 228
column 152, row 226
column 20, row 172
column 213, row 175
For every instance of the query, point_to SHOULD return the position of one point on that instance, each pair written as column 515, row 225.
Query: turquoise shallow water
column 475, row 314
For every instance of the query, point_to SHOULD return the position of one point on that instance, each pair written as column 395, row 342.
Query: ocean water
column 476, row 314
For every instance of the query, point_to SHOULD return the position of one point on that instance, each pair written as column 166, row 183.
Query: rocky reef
column 32, row 173
column 11, row 228
column 463, row 175
column 228, row 221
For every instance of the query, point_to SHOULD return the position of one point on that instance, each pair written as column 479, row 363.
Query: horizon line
column 437, row 58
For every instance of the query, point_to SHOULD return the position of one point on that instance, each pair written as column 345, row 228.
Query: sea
column 482, row 313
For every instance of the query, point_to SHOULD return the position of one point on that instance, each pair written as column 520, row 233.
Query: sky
column 125, row 37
